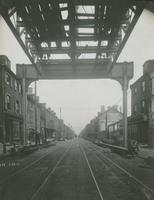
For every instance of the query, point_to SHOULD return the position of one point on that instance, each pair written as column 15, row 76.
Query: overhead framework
column 78, row 31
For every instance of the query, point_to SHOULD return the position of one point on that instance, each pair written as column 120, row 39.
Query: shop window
column 8, row 102
column 7, row 79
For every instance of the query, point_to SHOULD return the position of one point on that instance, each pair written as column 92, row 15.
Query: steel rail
column 92, row 173
column 125, row 171
column 35, row 194
column 24, row 168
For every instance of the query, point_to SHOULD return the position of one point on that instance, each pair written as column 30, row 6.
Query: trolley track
column 65, row 182
column 116, row 168
column 26, row 165
column 75, row 170
column 32, row 177
column 20, row 163
column 44, row 182
column 92, row 173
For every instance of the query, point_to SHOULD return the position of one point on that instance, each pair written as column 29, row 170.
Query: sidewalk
column 145, row 153
column 10, row 152
column 25, row 149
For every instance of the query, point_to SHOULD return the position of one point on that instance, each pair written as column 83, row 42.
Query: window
column 11, row 82
column 15, row 85
column 143, row 104
column 8, row 102
column 19, row 88
column 143, row 86
column 135, row 90
column 7, row 79
column 135, row 108
column 31, row 105
column 17, row 107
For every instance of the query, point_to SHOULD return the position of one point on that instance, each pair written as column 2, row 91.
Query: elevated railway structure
column 74, row 30
column 73, row 39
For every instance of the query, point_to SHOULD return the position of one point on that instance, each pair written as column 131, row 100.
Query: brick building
column 31, row 127
column 141, row 123
column 50, row 128
column 48, row 124
column 11, row 112
column 11, row 120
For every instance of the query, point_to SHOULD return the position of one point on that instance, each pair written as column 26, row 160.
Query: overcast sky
column 80, row 100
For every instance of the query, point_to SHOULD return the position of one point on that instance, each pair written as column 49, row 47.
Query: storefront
column 13, row 129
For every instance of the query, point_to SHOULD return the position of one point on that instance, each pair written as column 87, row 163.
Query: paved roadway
column 74, row 170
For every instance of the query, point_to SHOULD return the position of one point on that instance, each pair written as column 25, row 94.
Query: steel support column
column 36, row 136
column 24, row 106
column 125, row 87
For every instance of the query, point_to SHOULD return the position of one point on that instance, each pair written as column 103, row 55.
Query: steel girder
column 76, row 29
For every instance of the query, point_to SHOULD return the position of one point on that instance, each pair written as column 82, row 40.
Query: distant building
column 11, row 120
column 98, row 126
column 50, row 128
column 31, row 127
column 43, row 120
column 107, row 117
column 141, row 122
column 90, row 131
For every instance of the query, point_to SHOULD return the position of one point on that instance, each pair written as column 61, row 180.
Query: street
column 75, row 170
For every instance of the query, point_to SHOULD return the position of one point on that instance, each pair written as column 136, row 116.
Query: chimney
column 148, row 66
column 49, row 109
column 4, row 61
column 102, row 109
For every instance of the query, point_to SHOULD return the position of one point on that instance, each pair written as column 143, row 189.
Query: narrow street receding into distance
column 75, row 170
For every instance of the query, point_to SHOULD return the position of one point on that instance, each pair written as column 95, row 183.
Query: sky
column 80, row 100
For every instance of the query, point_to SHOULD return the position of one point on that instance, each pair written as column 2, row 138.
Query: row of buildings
column 108, row 125
column 46, row 126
